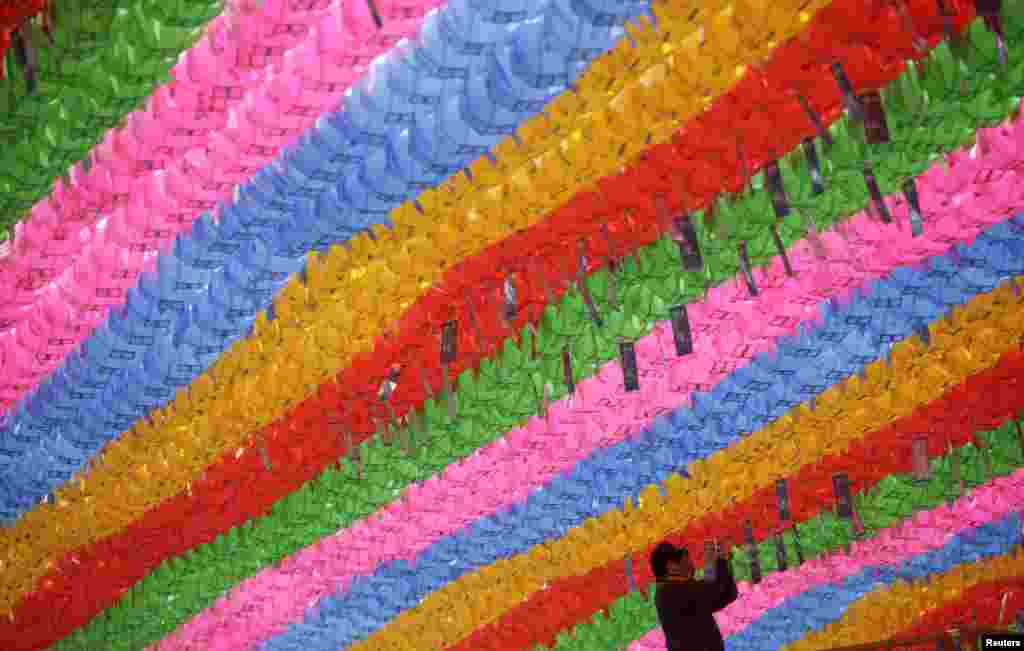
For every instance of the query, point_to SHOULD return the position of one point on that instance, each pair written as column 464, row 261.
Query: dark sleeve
column 724, row 586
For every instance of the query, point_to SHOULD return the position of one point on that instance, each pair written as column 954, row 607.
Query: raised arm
column 724, row 586
column 725, row 591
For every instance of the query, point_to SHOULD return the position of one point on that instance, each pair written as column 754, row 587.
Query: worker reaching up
column 686, row 605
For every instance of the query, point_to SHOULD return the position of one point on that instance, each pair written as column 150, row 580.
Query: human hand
column 724, row 550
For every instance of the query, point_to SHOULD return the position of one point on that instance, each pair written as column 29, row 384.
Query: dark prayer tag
column 781, row 248
column 631, row 377
column 448, row 338
column 773, row 179
column 782, row 495
column 356, row 457
column 613, row 299
column 448, row 350
column 796, row 546
column 681, row 332
column 511, row 305
column 875, row 128
column 23, row 59
column 914, row 207
column 852, row 104
column 19, row 49
column 376, row 14
column 990, row 10
column 995, row 25
column 570, row 384
column 841, row 487
column 589, row 302
column 1020, row 434
column 780, row 552
column 876, row 196
column 685, row 237
column 755, row 561
column 947, row 20
column 748, row 272
column 841, row 482
column 922, row 470
column 813, row 166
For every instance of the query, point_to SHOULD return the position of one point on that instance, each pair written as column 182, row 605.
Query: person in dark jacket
column 686, row 606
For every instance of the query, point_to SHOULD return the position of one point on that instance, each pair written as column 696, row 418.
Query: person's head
column 668, row 559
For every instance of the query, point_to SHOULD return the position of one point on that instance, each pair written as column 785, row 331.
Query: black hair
column 664, row 554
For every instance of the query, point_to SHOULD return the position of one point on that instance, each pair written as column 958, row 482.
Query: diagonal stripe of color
column 562, row 453
column 182, row 364
column 190, row 428
column 651, row 355
column 454, row 40
column 518, row 530
column 645, row 359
